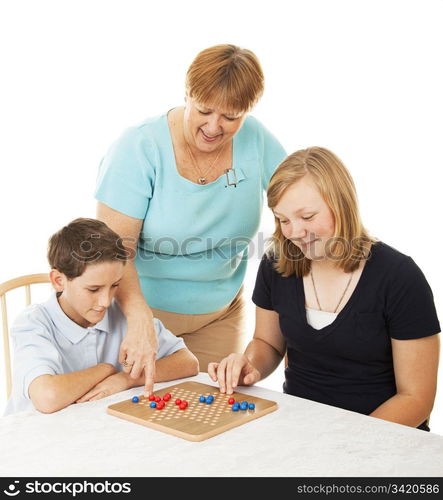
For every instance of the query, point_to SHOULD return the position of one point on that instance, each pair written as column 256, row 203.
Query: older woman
column 355, row 316
column 184, row 190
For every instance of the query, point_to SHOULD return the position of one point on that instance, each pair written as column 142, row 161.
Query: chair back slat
column 6, row 349
column 7, row 286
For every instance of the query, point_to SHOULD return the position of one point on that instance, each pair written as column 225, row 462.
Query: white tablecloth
column 301, row 438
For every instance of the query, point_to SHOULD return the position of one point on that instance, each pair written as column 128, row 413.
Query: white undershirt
column 319, row 319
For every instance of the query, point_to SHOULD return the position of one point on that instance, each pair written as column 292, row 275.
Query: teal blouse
column 193, row 247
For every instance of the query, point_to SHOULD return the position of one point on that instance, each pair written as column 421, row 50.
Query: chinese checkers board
column 195, row 418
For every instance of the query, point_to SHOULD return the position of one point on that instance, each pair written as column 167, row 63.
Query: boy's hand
column 110, row 385
column 235, row 369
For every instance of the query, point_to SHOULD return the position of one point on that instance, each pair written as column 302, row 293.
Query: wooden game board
column 198, row 421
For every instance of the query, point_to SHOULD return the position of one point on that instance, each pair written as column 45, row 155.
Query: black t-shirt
column 349, row 363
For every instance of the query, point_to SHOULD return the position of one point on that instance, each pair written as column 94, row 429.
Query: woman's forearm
column 263, row 357
column 180, row 364
column 129, row 296
column 403, row 409
column 138, row 348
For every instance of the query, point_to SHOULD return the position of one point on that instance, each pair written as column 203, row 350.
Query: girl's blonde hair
column 351, row 240
column 226, row 76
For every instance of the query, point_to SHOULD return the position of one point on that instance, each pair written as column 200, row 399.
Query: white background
column 362, row 78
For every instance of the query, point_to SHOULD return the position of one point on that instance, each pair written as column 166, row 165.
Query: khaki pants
column 212, row 336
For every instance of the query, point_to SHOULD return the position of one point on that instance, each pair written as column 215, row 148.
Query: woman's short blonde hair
column 226, row 76
column 351, row 240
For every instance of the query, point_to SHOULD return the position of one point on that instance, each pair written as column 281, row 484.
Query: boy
column 66, row 350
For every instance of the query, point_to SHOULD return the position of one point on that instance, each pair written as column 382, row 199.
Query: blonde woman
column 355, row 316
column 185, row 191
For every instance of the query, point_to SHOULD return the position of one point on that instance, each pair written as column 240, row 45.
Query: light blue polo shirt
column 47, row 342
column 193, row 246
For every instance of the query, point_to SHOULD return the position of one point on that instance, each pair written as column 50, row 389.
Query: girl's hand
column 234, row 370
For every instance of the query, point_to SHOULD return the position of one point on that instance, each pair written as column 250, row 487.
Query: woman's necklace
column 341, row 298
column 203, row 175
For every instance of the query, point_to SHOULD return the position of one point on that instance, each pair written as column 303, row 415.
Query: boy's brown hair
column 83, row 242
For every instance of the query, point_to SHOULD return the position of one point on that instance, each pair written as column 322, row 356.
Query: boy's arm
column 180, row 364
column 50, row 393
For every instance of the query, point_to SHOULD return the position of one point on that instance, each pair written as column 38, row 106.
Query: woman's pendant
column 202, row 180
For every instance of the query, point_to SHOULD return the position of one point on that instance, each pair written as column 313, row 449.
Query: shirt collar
column 70, row 329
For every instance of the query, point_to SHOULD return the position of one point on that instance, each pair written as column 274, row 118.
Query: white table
column 301, row 438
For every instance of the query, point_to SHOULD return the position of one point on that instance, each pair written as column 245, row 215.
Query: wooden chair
column 7, row 286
